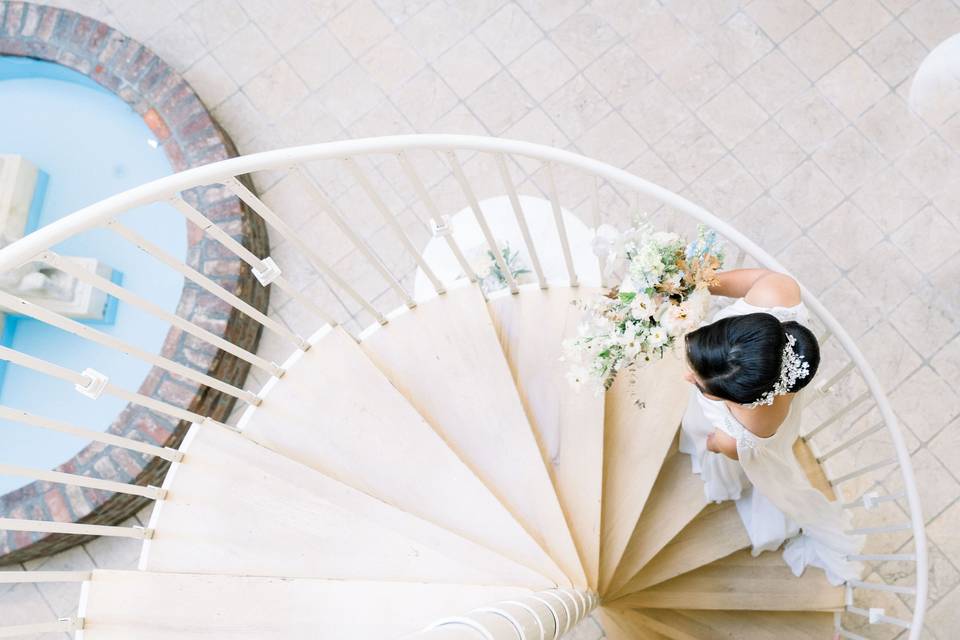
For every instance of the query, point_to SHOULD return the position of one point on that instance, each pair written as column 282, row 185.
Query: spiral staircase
column 434, row 475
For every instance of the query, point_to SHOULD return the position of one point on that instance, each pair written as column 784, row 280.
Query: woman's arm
column 720, row 442
column 760, row 287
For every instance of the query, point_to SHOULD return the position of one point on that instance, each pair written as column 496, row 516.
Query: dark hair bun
column 739, row 358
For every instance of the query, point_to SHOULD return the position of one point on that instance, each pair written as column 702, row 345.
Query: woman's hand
column 720, row 442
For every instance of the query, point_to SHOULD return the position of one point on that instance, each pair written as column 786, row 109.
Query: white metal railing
column 849, row 383
column 545, row 615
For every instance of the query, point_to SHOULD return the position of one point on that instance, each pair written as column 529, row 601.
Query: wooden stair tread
column 119, row 605
column 336, row 412
column 445, row 358
column 812, row 469
column 568, row 423
column 235, row 507
column 741, row 582
column 714, row 534
column 676, row 499
column 623, row 624
column 642, row 415
column 738, row 625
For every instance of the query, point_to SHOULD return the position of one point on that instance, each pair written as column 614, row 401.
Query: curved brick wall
column 190, row 137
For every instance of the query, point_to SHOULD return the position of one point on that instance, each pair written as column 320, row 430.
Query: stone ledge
column 190, row 137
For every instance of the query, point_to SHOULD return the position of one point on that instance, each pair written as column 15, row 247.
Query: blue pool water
column 90, row 144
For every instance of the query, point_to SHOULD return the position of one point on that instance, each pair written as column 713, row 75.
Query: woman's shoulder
column 763, row 422
column 777, row 294
column 774, row 290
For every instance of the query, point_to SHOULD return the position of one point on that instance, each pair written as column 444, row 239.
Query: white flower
column 607, row 241
column 642, row 306
column 665, row 237
column 657, row 337
column 698, row 304
column 677, row 320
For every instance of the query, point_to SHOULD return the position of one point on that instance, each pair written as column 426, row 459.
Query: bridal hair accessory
column 794, row 367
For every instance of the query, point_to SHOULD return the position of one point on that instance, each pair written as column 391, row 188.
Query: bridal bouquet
column 663, row 296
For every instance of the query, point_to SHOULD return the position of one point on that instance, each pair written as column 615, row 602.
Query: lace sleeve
column 798, row 313
column 744, row 437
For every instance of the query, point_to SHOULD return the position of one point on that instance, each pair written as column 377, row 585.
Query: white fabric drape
column 775, row 500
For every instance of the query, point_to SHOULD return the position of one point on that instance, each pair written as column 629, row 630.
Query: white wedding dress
column 775, row 500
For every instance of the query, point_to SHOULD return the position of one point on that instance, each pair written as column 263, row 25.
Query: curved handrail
column 169, row 187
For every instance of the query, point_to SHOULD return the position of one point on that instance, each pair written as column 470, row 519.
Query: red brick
column 77, row 501
column 175, row 155
column 41, row 49
column 105, row 468
column 172, row 342
column 98, row 38
column 141, row 65
column 125, row 57
column 154, row 376
column 72, row 60
column 13, row 17
column 152, row 75
column 179, row 395
column 83, row 28
column 158, row 91
column 156, row 124
column 197, row 124
column 210, row 322
column 31, row 20
column 57, row 506
column 116, row 44
column 129, row 465
column 13, row 46
column 64, row 27
column 152, row 430
column 48, row 23
column 105, row 78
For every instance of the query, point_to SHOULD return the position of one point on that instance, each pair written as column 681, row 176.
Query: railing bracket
column 270, row 272
column 441, row 228
column 96, row 383
column 147, row 533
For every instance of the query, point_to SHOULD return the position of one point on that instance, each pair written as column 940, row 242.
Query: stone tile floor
column 788, row 117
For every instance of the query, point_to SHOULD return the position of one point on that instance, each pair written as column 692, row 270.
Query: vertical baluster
column 820, row 390
column 601, row 251
column 137, row 301
column 862, row 471
column 481, row 221
column 358, row 242
column 281, row 227
column 837, row 415
column 92, row 384
column 561, row 226
column 205, row 283
column 441, row 226
column 42, row 314
column 521, row 218
column 392, row 222
column 265, row 270
column 18, row 415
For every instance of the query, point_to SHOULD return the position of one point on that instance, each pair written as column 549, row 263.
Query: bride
column 743, row 417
